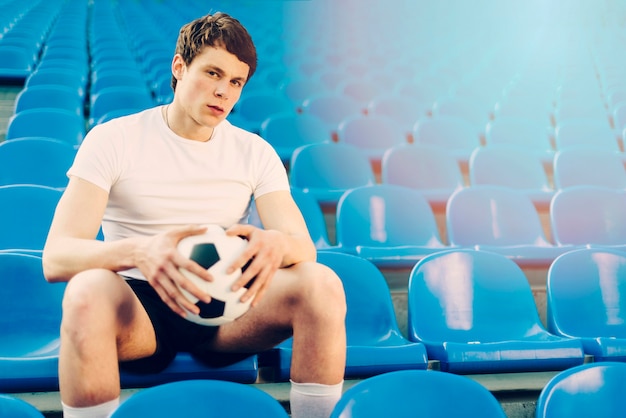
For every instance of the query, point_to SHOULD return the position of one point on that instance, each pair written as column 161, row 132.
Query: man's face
column 209, row 87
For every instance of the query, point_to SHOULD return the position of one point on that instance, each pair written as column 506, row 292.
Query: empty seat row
column 469, row 312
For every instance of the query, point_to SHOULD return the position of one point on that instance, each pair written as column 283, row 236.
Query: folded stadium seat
column 588, row 165
column 41, row 161
column 404, row 111
column 132, row 99
column 60, row 124
column 327, row 170
column 585, row 132
column 254, row 107
column 431, row 169
column 501, row 220
column 206, row 398
column 50, row 97
column 512, row 166
column 17, row 408
column 589, row 216
column 589, row 390
column 162, row 88
column 72, row 79
column 412, row 393
column 527, row 133
column 452, row 133
column 289, row 130
column 475, row 312
column 372, row 134
column 332, row 108
column 585, row 300
column 391, row 226
column 16, row 64
column 30, row 317
column 375, row 343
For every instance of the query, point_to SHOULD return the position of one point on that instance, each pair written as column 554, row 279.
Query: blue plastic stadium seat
column 73, row 79
column 453, row 133
column 404, row 111
column 586, row 299
column 327, row 170
column 185, row 367
column 42, row 161
column 432, row 170
column 60, row 124
column 30, row 317
column 375, row 343
column 255, row 107
column 585, row 132
column 475, row 312
column 15, row 63
column 332, row 108
column 115, row 98
column 590, row 390
column 512, row 166
column 17, row 408
column 206, row 398
column 25, row 216
column 526, row 133
column 416, row 393
column 500, row 219
column 588, row 165
column 391, row 226
column 288, row 131
column 50, row 96
column 372, row 134
column 589, row 216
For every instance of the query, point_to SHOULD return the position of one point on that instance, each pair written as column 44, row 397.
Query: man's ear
column 178, row 66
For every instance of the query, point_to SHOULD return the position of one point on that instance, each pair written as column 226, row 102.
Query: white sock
column 313, row 400
column 103, row 410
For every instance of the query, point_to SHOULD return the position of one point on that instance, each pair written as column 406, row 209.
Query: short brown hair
column 218, row 29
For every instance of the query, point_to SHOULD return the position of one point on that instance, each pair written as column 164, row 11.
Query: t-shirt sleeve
column 97, row 159
column 273, row 175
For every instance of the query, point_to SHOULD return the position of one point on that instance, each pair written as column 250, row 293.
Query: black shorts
column 174, row 334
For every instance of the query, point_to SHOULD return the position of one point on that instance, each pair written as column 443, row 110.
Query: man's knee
column 88, row 293
column 321, row 289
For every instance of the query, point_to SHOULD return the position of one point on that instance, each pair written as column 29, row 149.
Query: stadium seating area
column 468, row 185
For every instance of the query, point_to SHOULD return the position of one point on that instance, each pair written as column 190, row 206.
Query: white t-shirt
column 158, row 180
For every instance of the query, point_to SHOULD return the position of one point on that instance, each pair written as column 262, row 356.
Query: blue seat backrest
column 589, row 284
column 466, row 295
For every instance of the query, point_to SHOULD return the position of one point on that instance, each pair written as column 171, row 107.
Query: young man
column 151, row 179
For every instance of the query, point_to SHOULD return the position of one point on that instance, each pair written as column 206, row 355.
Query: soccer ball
column 215, row 251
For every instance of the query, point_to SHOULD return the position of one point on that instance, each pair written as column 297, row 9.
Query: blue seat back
column 582, row 215
column 492, row 215
column 466, row 295
column 589, row 284
column 512, row 166
column 419, row 166
column 17, row 408
column 42, row 161
column 590, row 390
column 208, row 398
column 50, row 96
column 25, row 215
column 330, row 166
column 413, row 393
column 385, row 215
column 589, row 165
column 60, row 124
column 30, row 306
column 371, row 316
